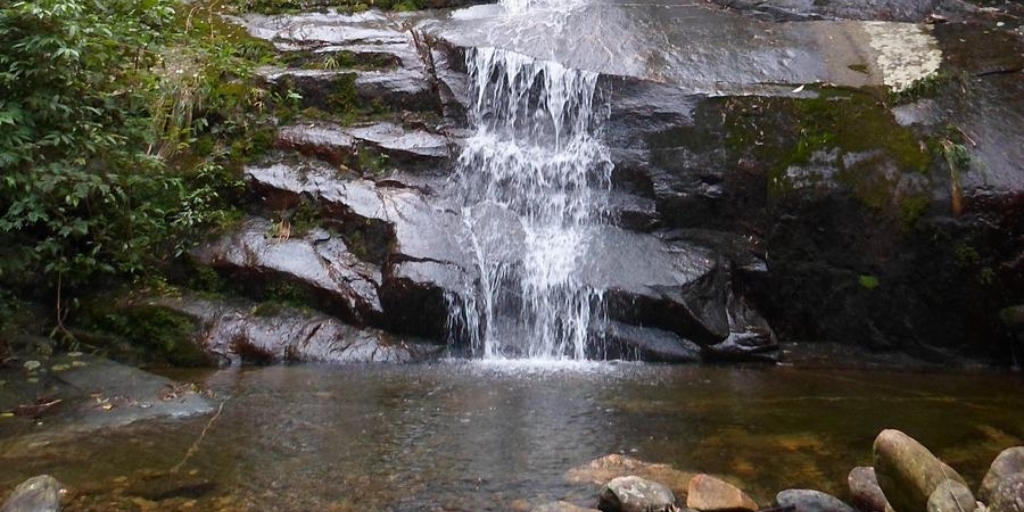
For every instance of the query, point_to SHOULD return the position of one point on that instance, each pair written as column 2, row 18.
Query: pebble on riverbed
column 37, row 494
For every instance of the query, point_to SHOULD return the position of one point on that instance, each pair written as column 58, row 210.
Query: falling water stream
column 532, row 179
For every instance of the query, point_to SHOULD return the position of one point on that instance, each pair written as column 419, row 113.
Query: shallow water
column 479, row 436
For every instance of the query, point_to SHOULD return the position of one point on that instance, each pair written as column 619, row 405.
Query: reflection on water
column 460, row 436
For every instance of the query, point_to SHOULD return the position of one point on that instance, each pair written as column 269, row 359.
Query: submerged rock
column 560, row 506
column 610, row 467
column 809, row 500
column 37, row 494
column 634, row 494
column 1009, row 462
column 907, row 472
column 710, row 494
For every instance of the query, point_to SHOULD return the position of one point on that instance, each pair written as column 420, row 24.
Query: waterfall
column 532, row 181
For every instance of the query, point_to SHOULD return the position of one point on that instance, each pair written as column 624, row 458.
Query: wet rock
column 808, row 500
column 1008, row 495
column 1009, row 462
column 560, row 506
column 319, row 262
column 407, row 150
column 907, row 472
column 632, row 342
column 865, row 494
column 268, row 333
column 800, row 10
column 634, row 494
column 707, row 493
column 609, row 467
column 951, row 496
column 37, row 494
column 330, row 90
column 425, row 261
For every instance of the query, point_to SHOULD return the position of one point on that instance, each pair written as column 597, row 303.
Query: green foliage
column 123, row 127
column 164, row 336
column 80, row 193
column 868, row 282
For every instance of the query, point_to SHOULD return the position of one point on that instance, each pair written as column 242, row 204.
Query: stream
column 488, row 435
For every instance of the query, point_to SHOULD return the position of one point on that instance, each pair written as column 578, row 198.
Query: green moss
column 155, row 335
column 860, row 68
column 848, row 131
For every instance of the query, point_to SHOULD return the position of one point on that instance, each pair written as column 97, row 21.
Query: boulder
column 907, row 472
column 634, row 494
column 1010, row 461
column 609, row 467
column 1008, row 495
column 37, row 494
column 865, row 494
column 560, row 506
column 707, row 493
column 951, row 496
column 808, row 500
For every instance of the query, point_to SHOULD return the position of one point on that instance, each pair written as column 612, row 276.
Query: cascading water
column 532, row 180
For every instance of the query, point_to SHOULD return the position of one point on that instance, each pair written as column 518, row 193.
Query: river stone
column 908, row 472
column 603, row 469
column 635, row 494
column 1009, row 495
column 808, row 500
column 560, row 506
column 1010, row 461
column 37, row 494
column 707, row 493
column 865, row 494
column 951, row 496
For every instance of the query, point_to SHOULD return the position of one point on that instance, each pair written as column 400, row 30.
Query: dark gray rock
column 425, row 263
column 951, row 496
column 1009, row 495
column 907, row 472
column 634, row 494
column 328, row 90
column 865, row 494
column 631, row 342
column 408, row 150
column 269, row 333
column 1009, row 462
column 808, row 500
column 319, row 263
column 37, row 494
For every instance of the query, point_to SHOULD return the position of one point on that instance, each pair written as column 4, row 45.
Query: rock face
column 1009, row 495
column 709, row 494
column 745, row 201
column 634, row 494
column 907, row 472
column 865, row 494
column 37, row 494
column 1009, row 462
column 808, row 500
column 951, row 496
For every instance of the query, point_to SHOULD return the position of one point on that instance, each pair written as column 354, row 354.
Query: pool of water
column 476, row 436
